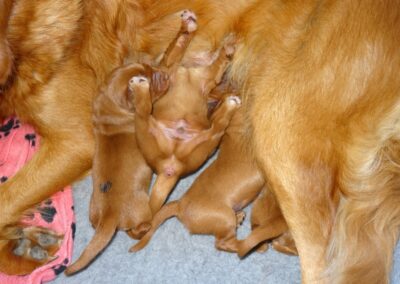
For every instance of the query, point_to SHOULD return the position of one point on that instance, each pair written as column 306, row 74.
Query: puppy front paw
column 189, row 21
column 138, row 82
column 233, row 101
column 230, row 45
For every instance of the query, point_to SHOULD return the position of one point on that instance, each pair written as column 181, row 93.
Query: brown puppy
column 319, row 81
column 5, row 52
column 214, row 202
column 84, row 42
column 175, row 134
column 121, row 176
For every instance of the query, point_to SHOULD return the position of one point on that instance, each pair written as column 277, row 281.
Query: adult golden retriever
column 321, row 93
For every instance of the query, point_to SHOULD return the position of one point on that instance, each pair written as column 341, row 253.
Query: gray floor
column 173, row 256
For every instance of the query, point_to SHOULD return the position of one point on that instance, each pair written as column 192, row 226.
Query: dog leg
column 160, row 191
column 5, row 52
column 49, row 170
column 175, row 51
column 285, row 244
column 225, row 238
column 309, row 215
column 215, row 72
column 206, row 141
column 240, row 216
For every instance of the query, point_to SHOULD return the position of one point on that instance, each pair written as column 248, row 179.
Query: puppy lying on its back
column 175, row 134
column 214, row 202
column 121, row 177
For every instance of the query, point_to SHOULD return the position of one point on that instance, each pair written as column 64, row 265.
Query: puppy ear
column 159, row 84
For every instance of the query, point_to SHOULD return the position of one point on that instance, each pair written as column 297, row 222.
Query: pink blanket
column 18, row 143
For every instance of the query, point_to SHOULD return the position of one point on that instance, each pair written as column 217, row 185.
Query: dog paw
column 33, row 248
column 37, row 244
column 230, row 45
column 234, row 101
column 138, row 82
column 189, row 21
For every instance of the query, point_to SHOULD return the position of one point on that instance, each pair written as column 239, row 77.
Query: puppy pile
column 168, row 118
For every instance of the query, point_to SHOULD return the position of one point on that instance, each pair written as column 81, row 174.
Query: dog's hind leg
column 367, row 226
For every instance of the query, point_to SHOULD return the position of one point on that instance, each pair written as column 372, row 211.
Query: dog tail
column 269, row 231
column 103, row 235
column 166, row 212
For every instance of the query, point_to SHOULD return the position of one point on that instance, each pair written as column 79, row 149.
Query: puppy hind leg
column 160, row 191
column 225, row 236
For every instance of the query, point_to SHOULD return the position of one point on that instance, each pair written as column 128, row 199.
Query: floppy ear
column 159, row 84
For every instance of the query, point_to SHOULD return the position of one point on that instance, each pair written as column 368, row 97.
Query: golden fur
column 321, row 95
column 121, row 176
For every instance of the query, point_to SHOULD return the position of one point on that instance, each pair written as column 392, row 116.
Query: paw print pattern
column 60, row 268
column 47, row 211
column 73, row 228
column 31, row 139
column 6, row 128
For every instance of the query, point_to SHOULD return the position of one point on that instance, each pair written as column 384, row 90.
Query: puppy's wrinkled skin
column 320, row 88
column 121, row 176
column 214, row 202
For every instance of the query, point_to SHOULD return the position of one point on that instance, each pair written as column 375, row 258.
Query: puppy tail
column 103, row 235
column 261, row 233
column 166, row 212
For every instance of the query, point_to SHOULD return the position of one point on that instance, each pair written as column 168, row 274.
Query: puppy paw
column 139, row 81
column 189, row 21
column 230, row 45
column 234, row 101
column 240, row 216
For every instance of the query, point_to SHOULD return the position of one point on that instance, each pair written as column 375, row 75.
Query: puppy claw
column 234, row 101
column 189, row 20
column 240, row 216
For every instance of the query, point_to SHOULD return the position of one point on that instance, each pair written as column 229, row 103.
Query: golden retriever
column 321, row 96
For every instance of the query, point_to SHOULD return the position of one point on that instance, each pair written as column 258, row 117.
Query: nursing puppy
column 121, row 177
column 213, row 205
column 174, row 133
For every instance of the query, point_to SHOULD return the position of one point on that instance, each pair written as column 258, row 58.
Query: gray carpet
column 174, row 256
